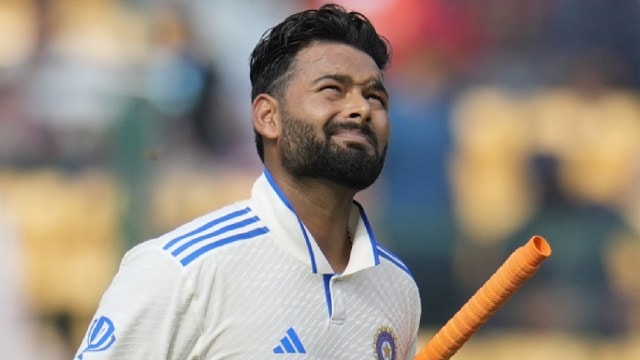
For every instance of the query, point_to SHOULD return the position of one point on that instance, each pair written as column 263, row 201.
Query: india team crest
column 384, row 343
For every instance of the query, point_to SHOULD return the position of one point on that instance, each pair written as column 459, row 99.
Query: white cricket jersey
column 248, row 281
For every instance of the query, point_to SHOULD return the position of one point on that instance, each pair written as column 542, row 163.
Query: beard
column 304, row 155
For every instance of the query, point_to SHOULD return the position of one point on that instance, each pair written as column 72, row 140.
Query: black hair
column 271, row 62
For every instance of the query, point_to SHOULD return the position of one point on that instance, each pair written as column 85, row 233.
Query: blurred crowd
column 120, row 119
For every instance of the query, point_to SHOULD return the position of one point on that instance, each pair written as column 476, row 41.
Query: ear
column 266, row 116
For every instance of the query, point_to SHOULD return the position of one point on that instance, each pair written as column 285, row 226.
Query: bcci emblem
column 385, row 344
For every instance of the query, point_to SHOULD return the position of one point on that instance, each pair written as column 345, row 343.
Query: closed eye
column 375, row 97
column 379, row 98
column 330, row 87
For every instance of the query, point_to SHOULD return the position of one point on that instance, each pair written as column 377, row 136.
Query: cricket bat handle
column 519, row 267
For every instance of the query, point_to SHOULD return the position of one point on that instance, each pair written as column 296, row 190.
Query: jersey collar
column 290, row 233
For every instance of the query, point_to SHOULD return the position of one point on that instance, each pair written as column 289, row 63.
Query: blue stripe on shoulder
column 224, row 241
column 228, row 228
column 387, row 254
column 208, row 225
column 222, row 230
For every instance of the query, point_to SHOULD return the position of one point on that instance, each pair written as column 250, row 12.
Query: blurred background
column 121, row 119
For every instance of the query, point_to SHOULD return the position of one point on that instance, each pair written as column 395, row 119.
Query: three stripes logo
column 234, row 226
column 290, row 344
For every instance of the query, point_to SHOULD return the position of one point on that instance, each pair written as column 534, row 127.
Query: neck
column 324, row 208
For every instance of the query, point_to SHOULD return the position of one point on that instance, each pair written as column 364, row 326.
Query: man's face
column 335, row 123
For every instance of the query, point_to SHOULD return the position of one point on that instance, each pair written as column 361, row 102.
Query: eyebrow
column 375, row 84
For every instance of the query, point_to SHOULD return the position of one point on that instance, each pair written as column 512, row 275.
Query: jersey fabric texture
column 248, row 281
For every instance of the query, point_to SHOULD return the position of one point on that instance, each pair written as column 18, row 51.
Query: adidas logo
column 290, row 344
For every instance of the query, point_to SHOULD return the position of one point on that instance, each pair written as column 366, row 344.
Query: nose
column 359, row 108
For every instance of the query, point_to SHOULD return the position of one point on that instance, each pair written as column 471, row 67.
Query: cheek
column 318, row 110
column 306, row 108
column 312, row 108
column 382, row 128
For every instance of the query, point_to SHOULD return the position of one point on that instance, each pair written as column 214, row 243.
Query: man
column 295, row 271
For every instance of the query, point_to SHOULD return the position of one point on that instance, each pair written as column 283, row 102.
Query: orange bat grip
column 515, row 271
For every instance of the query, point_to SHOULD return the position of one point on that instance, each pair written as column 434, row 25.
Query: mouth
column 354, row 136
column 356, row 140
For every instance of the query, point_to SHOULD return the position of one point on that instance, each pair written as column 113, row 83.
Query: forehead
column 320, row 59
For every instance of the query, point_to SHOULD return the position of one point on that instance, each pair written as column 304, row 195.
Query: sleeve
column 415, row 321
column 412, row 351
column 146, row 312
